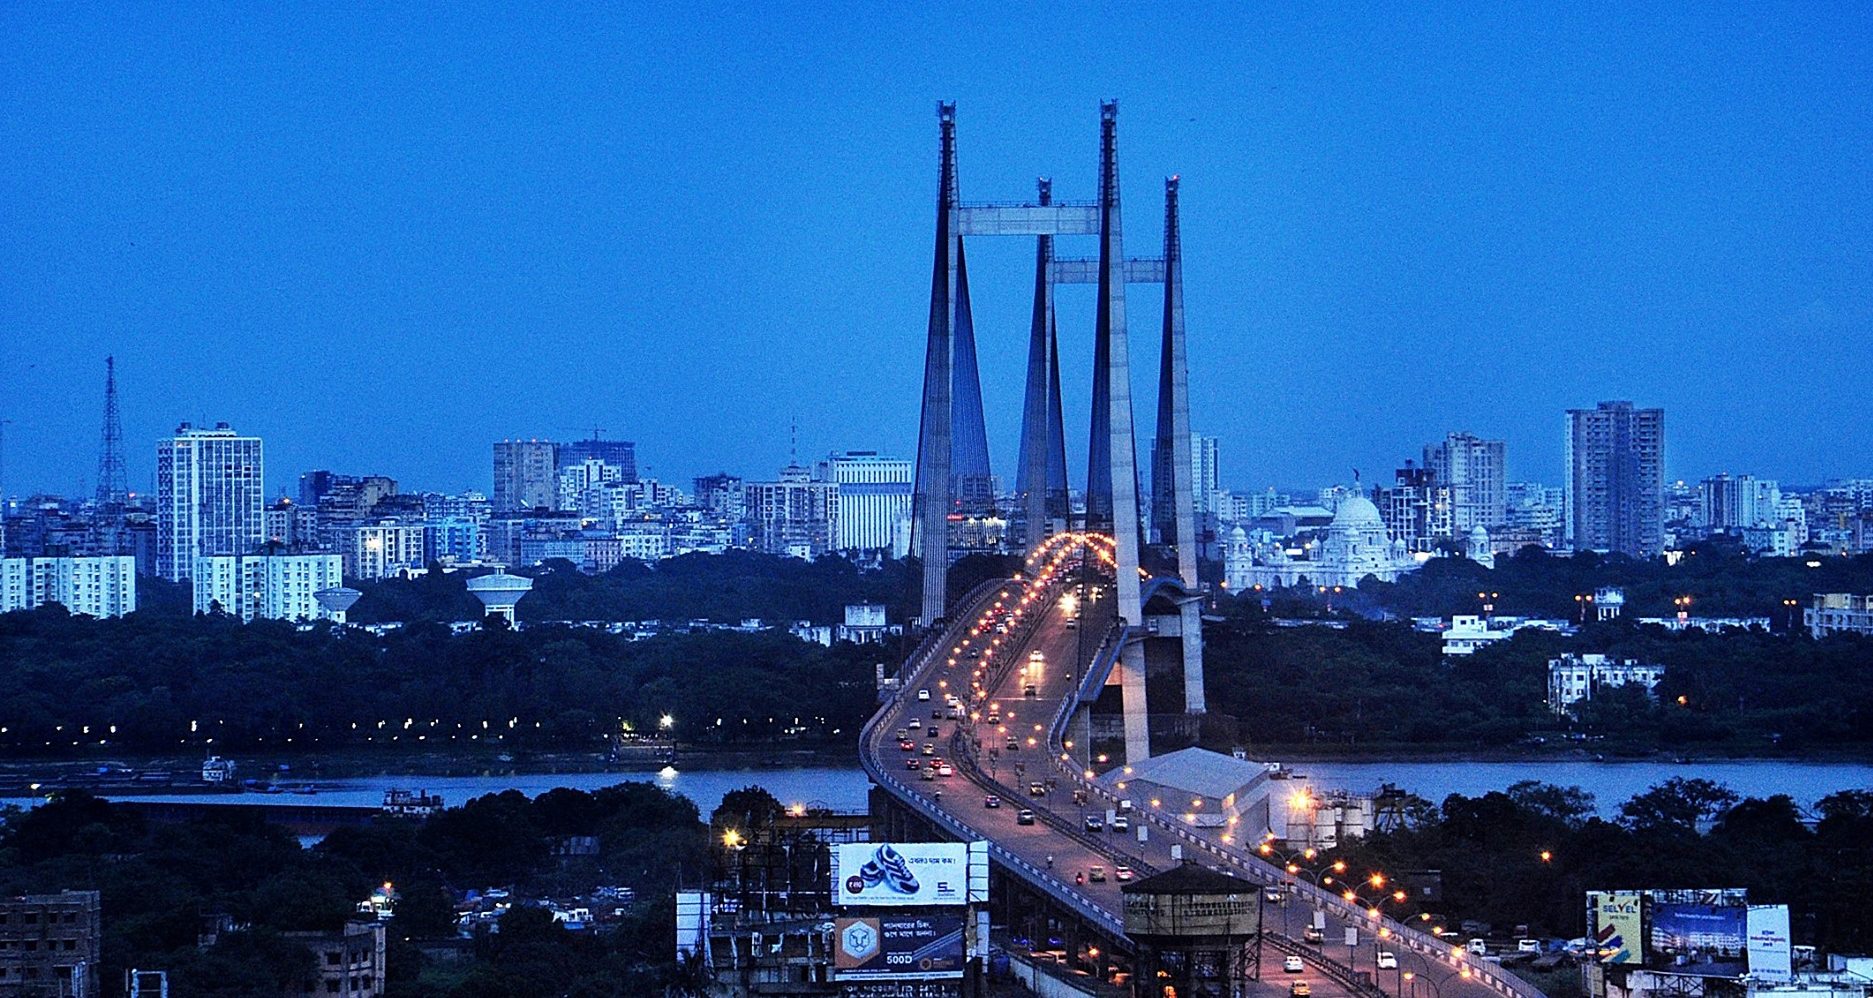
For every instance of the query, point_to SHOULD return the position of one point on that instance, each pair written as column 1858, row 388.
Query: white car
column 1292, row 965
column 1388, row 960
column 923, row 694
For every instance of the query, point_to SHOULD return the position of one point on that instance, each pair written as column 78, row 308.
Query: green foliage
column 727, row 588
column 1490, row 851
column 1386, row 683
column 158, row 880
column 546, row 686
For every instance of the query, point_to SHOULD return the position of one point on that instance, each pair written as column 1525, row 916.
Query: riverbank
column 1565, row 752
column 356, row 763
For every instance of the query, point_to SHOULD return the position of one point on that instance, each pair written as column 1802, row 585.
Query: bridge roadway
column 1055, row 852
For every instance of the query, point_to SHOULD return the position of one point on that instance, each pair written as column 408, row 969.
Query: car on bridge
column 911, row 763
column 923, row 694
column 1299, row 989
column 1024, row 817
column 1292, row 965
column 1387, row 960
column 1121, row 823
column 1122, row 873
column 1096, row 874
column 1314, row 935
column 991, row 801
column 946, row 770
column 929, row 748
column 1014, row 745
column 1037, row 789
column 907, row 745
column 1094, row 823
column 930, row 773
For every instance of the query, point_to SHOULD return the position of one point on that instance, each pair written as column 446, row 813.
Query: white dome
column 1357, row 513
column 1479, row 533
column 1238, row 534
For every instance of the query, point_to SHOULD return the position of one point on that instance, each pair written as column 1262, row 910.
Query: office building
column 1535, row 507
column 1615, row 456
column 270, row 586
column 1473, row 470
column 103, row 586
column 210, row 497
column 874, row 500
column 526, row 475
column 51, row 944
column 620, row 454
column 794, row 516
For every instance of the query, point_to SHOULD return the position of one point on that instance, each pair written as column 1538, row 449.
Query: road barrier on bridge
column 1503, row 983
column 871, row 758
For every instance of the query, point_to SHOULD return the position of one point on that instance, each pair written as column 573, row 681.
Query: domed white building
column 1353, row 546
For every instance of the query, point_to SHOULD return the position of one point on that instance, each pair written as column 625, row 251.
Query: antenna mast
column 113, row 490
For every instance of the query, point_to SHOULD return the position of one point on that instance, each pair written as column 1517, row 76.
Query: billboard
column 1768, row 943
column 903, row 873
column 885, row 947
column 1696, row 933
column 1616, row 923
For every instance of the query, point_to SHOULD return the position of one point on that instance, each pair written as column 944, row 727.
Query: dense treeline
column 157, row 881
column 726, row 588
column 1383, row 682
column 1527, row 856
column 148, row 682
column 1721, row 580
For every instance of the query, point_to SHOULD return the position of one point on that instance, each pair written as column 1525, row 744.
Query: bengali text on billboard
column 897, row 946
column 902, row 873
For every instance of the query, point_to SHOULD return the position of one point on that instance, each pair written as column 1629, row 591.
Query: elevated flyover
column 1014, row 743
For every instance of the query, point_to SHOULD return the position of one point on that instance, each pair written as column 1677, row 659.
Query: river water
column 844, row 788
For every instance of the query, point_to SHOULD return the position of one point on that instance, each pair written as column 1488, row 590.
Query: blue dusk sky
column 383, row 238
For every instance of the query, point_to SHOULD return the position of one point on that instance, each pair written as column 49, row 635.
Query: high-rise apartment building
column 379, row 550
column 275, row 587
column 1473, row 470
column 1205, row 476
column 95, row 587
column 1615, row 499
column 1415, row 508
column 723, row 496
column 1734, row 502
column 210, row 497
column 526, row 474
column 874, row 500
column 795, row 516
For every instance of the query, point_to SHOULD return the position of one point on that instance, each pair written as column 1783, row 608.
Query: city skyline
column 1578, row 220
